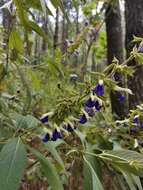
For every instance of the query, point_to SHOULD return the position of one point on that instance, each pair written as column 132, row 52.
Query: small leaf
column 15, row 42
column 37, row 29
column 26, row 121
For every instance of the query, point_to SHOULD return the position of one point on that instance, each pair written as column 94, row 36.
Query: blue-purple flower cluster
column 137, row 125
column 122, row 98
column 91, row 107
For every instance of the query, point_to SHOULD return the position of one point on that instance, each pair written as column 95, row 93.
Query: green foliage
column 15, row 42
column 45, row 81
column 49, row 170
column 96, row 184
column 13, row 162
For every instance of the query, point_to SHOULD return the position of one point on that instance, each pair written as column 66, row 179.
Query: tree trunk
column 7, row 21
column 45, row 29
column 56, row 35
column 134, row 26
column 115, row 49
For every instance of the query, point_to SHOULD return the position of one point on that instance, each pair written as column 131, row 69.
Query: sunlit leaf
column 15, row 42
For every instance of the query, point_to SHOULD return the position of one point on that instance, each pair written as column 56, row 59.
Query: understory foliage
column 56, row 121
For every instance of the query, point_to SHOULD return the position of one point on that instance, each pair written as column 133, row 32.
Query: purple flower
column 46, row 138
column 44, row 119
column 90, row 103
column 99, row 90
column 90, row 111
column 136, row 120
column 56, row 135
column 140, row 50
column 122, row 98
column 117, row 77
column 83, row 119
column 98, row 106
column 73, row 77
column 133, row 130
column 69, row 128
column 140, row 142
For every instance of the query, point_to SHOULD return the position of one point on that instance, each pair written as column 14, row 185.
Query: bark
column 134, row 26
column 56, row 35
column 64, row 34
column 115, row 49
column 45, row 29
column 7, row 21
column 65, row 27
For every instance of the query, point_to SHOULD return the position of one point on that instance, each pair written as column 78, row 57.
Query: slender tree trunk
column 7, row 21
column 45, row 29
column 56, row 34
column 65, row 28
column 37, row 45
column 64, row 34
column 77, row 20
column 134, row 26
column 115, row 49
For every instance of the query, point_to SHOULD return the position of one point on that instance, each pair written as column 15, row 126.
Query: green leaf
column 51, row 146
column 15, row 42
column 75, row 4
column 12, row 164
column 39, row 5
column 128, row 160
column 95, row 163
column 96, row 184
column 129, row 180
column 37, row 29
column 26, row 121
column 132, row 180
column 21, row 13
column 137, row 181
column 49, row 170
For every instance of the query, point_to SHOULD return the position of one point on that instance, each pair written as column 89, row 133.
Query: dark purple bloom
column 90, row 103
column 56, row 135
column 117, row 77
column 140, row 142
column 98, row 106
column 46, row 138
column 73, row 77
column 44, row 119
column 99, row 90
column 90, row 111
column 69, row 128
column 140, row 50
column 122, row 98
column 83, row 119
column 136, row 120
column 133, row 130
